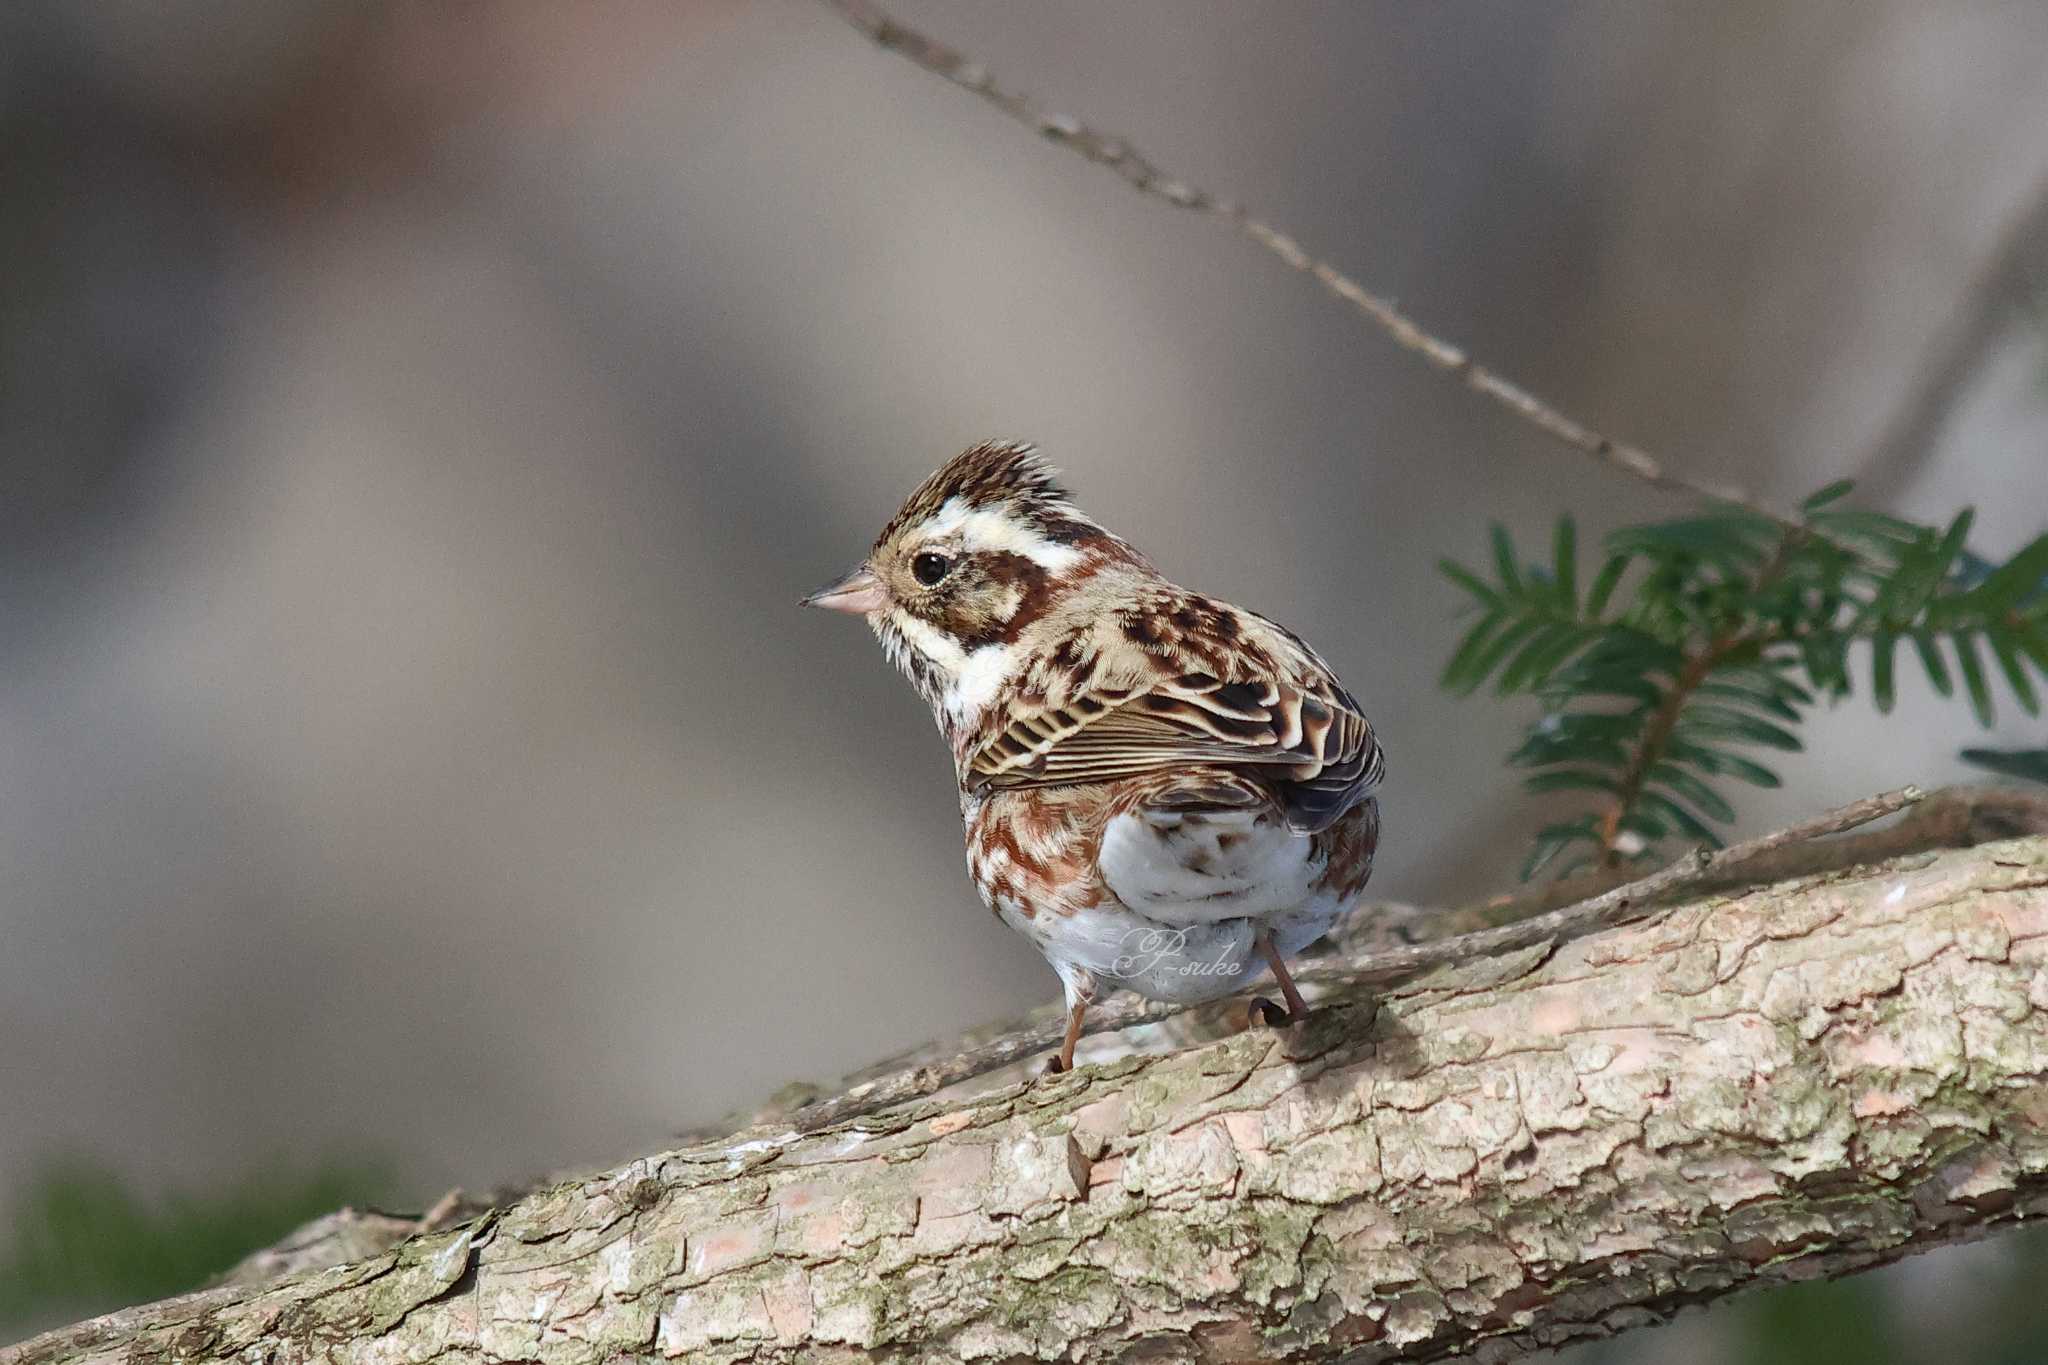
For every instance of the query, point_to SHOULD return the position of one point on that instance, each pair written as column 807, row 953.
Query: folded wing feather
column 1306, row 740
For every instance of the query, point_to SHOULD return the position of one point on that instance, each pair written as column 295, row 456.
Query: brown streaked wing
column 1307, row 740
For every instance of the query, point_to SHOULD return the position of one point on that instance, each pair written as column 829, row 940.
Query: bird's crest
column 1008, row 474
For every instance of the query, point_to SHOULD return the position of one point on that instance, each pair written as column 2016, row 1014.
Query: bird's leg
column 1064, row 1061
column 1264, row 1011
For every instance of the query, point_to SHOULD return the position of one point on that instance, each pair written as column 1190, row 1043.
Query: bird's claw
column 1264, row 1011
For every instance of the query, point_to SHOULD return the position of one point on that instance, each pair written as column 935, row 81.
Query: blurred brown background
column 417, row 422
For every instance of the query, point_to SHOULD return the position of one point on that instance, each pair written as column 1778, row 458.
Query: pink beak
column 860, row 593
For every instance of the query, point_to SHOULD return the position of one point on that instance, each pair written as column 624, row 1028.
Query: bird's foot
column 1063, row 1060
column 1264, row 1012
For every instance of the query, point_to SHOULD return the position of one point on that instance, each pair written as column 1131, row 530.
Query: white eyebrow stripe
column 943, row 522
column 990, row 528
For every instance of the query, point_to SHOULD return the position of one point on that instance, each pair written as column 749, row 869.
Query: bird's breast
column 1033, row 852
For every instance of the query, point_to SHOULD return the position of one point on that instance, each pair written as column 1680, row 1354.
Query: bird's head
column 983, row 549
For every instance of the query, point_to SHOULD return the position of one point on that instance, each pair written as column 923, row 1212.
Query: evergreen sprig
column 1700, row 641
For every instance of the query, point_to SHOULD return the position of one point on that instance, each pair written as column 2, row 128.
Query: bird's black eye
column 929, row 568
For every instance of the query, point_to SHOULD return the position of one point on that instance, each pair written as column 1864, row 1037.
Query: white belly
column 1192, row 891
column 1200, row 868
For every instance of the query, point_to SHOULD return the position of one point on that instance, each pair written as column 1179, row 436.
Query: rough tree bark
column 1564, row 1140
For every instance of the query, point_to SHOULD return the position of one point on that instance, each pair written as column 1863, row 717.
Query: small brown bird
column 1160, row 790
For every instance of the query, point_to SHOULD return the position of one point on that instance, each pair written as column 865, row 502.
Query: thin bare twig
column 1142, row 175
column 1695, row 868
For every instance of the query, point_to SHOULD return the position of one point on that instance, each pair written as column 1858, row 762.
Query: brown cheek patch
column 1001, row 572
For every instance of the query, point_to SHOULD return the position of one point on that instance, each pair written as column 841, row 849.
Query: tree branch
column 1561, row 1140
column 1106, row 149
column 1044, row 1030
